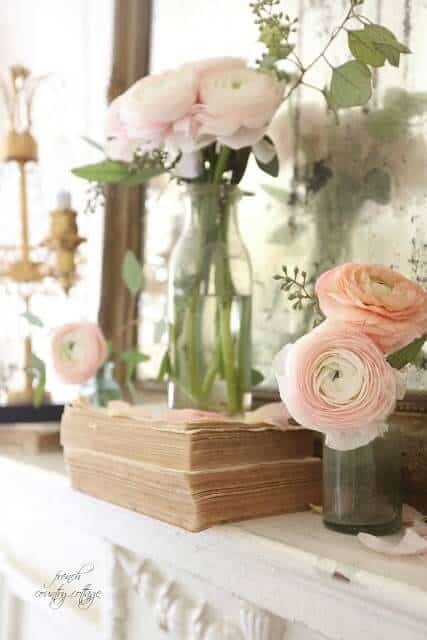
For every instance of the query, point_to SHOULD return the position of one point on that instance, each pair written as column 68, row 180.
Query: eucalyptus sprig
column 300, row 291
column 351, row 82
column 275, row 28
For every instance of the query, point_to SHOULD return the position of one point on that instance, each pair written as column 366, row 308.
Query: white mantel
column 275, row 578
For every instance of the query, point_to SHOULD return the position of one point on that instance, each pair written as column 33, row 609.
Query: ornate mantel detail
column 260, row 625
column 183, row 618
column 115, row 612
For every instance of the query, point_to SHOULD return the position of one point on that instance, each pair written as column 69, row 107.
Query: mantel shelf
column 290, row 565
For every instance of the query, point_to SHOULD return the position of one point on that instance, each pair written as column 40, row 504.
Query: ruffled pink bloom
column 382, row 303
column 337, row 381
column 78, row 351
column 237, row 105
column 211, row 65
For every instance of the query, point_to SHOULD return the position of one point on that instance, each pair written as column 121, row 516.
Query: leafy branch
column 300, row 291
column 351, row 82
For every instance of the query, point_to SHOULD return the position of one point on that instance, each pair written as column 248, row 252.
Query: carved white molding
column 115, row 598
column 10, row 612
column 183, row 618
column 260, row 625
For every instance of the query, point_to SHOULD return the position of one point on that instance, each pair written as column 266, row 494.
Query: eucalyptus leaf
column 132, row 273
column 391, row 53
column 132, row 358
column 256, row 377
column 381, row 35
column 408, row 354
column 38, row 373
column 364, row 49
column 351, row 85
column 272, row 168
column 31, row 318
column 112, row 172
column 106, row 387
column 237, row 163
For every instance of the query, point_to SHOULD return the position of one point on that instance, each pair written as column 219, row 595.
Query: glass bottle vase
column 362, row 487
column 210, row 306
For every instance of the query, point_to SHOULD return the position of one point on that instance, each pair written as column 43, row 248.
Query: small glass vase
column 210, row 306
column 103, row 387
column 362, row 487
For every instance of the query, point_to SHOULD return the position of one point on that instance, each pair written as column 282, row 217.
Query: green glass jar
column 362, row 487
column 210, row 305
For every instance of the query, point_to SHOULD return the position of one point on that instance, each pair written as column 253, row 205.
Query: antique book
column 192, row 475
column 185, row 446
column 30, row 438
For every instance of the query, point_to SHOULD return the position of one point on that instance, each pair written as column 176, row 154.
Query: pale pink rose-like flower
column 155, row 102
column 382, row 303
column 78, row 351
column 337, row 381
column 152, row 112
column 211, row 65
column 237, row 105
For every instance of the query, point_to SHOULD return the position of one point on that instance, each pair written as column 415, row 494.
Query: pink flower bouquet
column 342, row 378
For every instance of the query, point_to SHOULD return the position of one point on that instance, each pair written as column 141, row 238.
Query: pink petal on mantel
column 274, row 414
column 410, row 515
column 412, row 544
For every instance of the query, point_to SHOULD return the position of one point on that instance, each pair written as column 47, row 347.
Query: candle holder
column 28, row 266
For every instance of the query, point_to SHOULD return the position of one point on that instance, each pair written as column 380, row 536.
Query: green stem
column 228, row 356
column 211, row 373
column 192, row 344
column 221, row 165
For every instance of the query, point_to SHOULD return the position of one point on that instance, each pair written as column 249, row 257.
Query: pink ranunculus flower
column 382, row 303
column 78, row 351
column 337, row 381
column 212, row 65
column 236, row 105
column 149, row 108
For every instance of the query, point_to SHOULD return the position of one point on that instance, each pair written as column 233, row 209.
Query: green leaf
column 272, row 168
column 331, row 106
column 112, row 172
column 165, row 369
column 133, row 358
column 392, row 54
column 132, row 272
column 238, row 162
column 256, row 377
column 381, row 35
column 351, row 85
column 38, row 373
column 363, row 49
column 106, row 387
column 31, row 318
column 408, row 354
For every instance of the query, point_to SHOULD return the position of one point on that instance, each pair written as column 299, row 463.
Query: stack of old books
column 190, row 473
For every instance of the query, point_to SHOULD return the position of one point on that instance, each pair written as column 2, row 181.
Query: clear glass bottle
column 103, row 387
column 362, row 487
column 210, row 305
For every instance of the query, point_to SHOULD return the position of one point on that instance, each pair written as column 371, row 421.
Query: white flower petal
column 190, row 165
column 411, row 544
